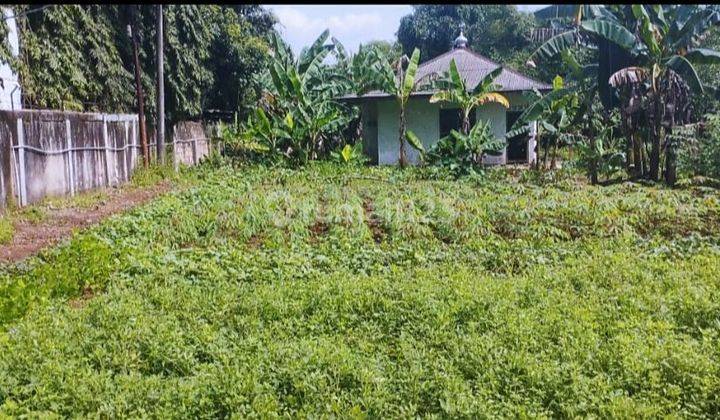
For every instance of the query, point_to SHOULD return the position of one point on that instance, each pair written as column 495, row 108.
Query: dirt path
column 58, row 224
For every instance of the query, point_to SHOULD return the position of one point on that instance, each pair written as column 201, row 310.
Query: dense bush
column 80, row 57
column 333, row 291
column 700, row 151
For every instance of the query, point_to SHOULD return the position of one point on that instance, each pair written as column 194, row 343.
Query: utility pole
column 138, row 87
column 161, row 90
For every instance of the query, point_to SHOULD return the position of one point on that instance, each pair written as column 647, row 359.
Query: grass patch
column 331, row 291
column 7, row 230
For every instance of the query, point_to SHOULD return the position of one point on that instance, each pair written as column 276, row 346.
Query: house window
column 450, row 119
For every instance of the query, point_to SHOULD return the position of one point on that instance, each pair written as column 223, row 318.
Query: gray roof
column 473, row 68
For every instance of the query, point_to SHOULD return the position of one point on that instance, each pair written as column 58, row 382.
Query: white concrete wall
column 495, row 114
column 422, row 118
column 10, row 91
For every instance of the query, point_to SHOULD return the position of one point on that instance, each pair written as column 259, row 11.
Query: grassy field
column 374, row 292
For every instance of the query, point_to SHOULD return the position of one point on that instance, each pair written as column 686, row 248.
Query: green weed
column 342, row 291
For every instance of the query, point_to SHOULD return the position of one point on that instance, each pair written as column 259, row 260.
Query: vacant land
column 374, row 292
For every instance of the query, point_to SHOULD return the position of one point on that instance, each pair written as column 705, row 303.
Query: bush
column 700, row 154
column 7, row 229
column 461, row 154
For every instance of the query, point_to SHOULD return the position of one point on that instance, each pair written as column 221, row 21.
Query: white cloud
column 352, row 25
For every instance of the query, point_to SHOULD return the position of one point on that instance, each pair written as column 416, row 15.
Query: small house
column 432, row 121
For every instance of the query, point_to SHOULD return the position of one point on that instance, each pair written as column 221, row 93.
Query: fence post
column 133, row 154
column 126, row 143
column 21, row 162
column 71, row 161
column 107, row 150
column 174, row 147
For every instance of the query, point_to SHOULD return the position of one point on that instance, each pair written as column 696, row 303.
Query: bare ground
column 57, row 224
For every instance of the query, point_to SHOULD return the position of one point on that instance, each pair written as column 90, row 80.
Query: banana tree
column 399, row 82
column 655, row 85
column 660, row 83
column 455, row 91
column 554, row 113
column 298, row 100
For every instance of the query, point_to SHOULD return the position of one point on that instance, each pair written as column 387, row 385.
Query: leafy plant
column 461, row 154
column 350, row 155
column 333, row 289
column 454, row 91
column 299, row 117
column 400, row 82
column 659, row 75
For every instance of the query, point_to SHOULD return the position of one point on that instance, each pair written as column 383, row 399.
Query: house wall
column 495, row 114
column 423, row 119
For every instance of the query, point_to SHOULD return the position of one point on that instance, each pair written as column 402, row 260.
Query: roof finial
column 460, row 41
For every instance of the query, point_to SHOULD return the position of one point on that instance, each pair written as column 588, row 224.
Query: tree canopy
column 496, row 30
column 80, row 57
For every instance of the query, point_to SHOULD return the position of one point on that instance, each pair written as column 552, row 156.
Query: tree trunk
column 655, row 151
column 553, row 161
column 545, row 155
column 670, row 162
column 139, row 90
column 593, row 161
column 403, row 158
column 638, row 161
column 465, row 122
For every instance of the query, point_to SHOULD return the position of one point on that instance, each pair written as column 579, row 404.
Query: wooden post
column 138, row 88
column 71, row 161
column 161, row 89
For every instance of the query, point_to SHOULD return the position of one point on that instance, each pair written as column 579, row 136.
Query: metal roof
column 473, row 68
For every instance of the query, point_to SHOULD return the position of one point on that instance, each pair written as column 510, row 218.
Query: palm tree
column 456, row 92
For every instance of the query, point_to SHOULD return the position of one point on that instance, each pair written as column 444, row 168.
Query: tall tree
column 80, row 57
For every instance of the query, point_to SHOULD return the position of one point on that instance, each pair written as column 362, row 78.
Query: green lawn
column 329, row 291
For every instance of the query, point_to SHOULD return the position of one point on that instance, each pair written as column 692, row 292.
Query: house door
column 450, row 119
column 517, row 146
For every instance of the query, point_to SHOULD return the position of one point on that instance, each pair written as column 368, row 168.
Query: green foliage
column 350, row 155
column 699, row 155
column 656, row 85
column 454, row 91
column 154, row 174
column 331, row 290
column 80, row 57
column 492, row 29
column 299, row 117
column 603, row 154
column 462, row 154
column 69, row 59
column 7, row 230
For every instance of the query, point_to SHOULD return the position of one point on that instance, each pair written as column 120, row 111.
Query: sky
column 351, row 24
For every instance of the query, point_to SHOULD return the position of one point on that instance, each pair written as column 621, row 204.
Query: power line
column 27, row 12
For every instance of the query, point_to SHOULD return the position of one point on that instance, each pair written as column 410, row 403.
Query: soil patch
column 373, row 221
column 57, row 224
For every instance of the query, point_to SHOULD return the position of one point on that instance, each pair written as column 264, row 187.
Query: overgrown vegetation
column 79, row 57
column 651, row 77
column 332, row 290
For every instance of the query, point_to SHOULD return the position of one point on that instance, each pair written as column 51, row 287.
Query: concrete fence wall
column 56, row 153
